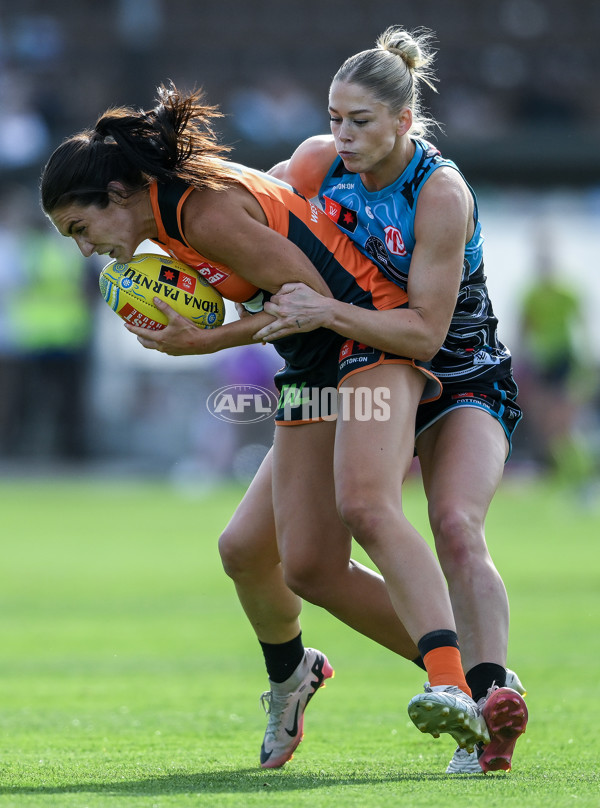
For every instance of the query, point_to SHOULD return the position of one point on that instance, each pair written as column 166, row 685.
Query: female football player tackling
column 161, row 175
column 385, row 187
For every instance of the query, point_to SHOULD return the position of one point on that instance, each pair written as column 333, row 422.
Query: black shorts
column 309, row 395
column 311, row 366
column 496, row 398
column 356, row 357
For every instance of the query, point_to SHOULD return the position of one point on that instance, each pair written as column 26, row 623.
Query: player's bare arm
column 181, row 337
column 230, row 228
column 443, row 225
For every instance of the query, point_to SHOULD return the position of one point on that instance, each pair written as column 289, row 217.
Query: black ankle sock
column 437, row 639
column 282, row 659
column 483, row 676
column 419, row 663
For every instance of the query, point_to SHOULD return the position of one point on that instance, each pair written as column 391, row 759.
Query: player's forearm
column 235, row 334
column 401, row 331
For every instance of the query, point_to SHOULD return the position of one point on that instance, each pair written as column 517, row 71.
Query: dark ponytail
column 174, row 141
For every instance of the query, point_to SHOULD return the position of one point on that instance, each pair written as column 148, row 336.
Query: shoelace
column 266, row 700
column 453, row 690
column 483, row 699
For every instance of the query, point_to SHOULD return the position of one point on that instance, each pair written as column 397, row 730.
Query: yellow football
column 129, row 290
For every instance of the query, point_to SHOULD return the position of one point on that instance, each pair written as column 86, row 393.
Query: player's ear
column 405, row 119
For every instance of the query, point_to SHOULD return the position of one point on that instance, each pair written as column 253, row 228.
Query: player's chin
column 349, row 158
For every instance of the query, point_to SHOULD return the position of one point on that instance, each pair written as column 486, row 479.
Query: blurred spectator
column 37, row 39
column 45, row 330
column 554, row 378
column 24, row 136
column 139, row 22
column 276, row 110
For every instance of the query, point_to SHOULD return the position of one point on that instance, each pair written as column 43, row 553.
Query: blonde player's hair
column 394, row 70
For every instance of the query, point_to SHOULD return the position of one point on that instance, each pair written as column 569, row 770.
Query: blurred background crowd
column 520, row 109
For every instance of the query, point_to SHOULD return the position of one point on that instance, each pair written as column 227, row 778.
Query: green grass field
column 131, row 678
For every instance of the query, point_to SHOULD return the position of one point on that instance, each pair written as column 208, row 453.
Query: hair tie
column 101, row 137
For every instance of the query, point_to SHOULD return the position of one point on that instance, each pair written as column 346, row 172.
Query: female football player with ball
column 161, row 175
column 383, row 184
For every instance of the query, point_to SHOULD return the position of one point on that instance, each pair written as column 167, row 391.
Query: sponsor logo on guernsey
column 210, row 273
column 332, row 209
column 485, row 358
column 394, row 241
column 342, row 216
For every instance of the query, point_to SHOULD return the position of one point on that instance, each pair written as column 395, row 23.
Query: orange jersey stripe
column 278, row 200
column 297, row 219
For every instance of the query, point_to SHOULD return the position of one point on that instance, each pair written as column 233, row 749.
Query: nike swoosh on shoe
column 294, row 730
column 264, row 755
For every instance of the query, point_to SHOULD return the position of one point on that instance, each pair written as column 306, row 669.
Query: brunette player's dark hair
column 173, row 141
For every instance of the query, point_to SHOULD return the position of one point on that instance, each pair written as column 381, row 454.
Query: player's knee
column 364, row 516
column 235, row 556
column 458, row 536
column 308, row 579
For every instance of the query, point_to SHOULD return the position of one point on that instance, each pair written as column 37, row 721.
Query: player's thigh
column 372, row 456
column 462, row 458
column 250, row 537
column 310, row 533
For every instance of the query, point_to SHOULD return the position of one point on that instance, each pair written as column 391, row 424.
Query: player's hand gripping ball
column 129, row 289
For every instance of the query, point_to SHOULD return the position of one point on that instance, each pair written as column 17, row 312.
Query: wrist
column 337, row 316
column 230, row 335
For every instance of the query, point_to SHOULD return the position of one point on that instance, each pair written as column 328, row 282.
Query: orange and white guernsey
column 351, row 276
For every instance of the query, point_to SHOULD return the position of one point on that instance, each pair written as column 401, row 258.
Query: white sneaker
column 446, row 708
column 285, row 704
column 464, row 762
column 513, row 681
